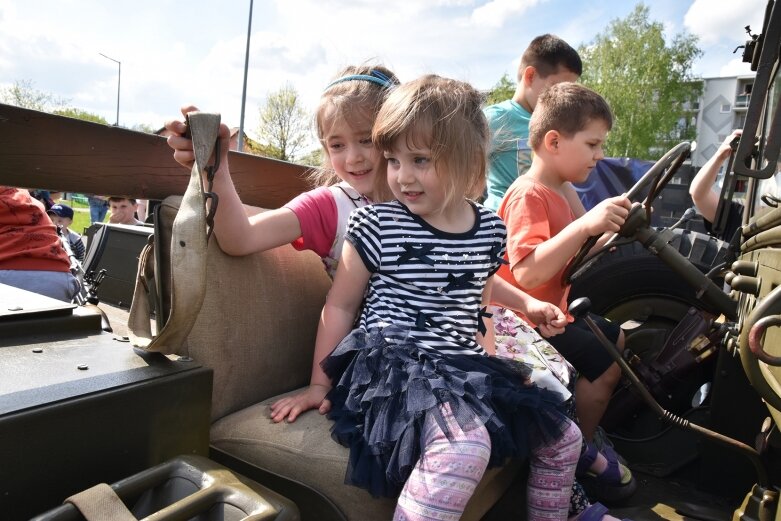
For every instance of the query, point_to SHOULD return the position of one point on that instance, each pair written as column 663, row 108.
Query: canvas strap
column 188, row 254
column 101, row 503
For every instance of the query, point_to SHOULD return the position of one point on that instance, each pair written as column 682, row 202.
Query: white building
column 721, row 109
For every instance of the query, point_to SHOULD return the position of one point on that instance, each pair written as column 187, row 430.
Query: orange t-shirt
column 28, row 239
column 533, row 213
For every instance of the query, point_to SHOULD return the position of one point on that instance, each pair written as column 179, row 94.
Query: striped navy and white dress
column 415, row 349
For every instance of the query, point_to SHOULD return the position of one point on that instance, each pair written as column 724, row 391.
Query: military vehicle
column 180, row 430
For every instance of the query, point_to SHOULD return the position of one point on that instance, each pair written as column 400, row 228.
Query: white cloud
column 171, row 57
column 495, row 12
column 735, row 67
column 448, row 3
column 714, row 20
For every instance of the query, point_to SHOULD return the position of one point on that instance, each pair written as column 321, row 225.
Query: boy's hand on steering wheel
column 607, row 216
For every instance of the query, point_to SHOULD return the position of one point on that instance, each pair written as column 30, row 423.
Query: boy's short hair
column 445, row 116
column 119, row 199
column 566, row 108
column 547, row 54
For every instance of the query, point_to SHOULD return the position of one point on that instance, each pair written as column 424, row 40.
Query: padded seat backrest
column 258, row 322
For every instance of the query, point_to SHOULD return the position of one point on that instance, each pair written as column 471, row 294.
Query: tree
column 648, row 84
column 313, row 158
column 23, row 94
column 144, row 127
column 259, row 149
column 503, row 90
column 284, row 125
column 80, row 114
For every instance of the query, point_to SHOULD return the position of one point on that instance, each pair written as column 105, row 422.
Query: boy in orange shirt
column 566, row 132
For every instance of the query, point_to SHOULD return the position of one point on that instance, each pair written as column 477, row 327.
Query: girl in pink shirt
column 314, row 220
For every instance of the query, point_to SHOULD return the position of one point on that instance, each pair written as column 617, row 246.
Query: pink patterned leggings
column 448, row 472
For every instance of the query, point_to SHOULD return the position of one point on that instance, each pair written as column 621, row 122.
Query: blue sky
column 175, row 52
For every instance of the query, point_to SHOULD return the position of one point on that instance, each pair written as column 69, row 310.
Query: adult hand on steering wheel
column 657, row 177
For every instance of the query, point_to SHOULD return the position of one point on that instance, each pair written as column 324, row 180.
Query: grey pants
column 55, row 284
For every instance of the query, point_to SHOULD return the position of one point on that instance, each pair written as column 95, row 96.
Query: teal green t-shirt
column 510, row 155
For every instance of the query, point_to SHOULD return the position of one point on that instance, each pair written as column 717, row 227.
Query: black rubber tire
column 631, row 272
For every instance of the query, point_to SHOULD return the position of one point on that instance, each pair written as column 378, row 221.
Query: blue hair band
column 376, row 77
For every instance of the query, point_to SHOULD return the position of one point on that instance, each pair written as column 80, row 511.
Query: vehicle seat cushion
column 258, row 323
column 304, row 451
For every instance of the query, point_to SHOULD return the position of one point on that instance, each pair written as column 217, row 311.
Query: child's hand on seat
column 290, row 407
column 607, row 216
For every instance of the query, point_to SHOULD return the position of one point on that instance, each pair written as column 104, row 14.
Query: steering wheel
column 658, row 176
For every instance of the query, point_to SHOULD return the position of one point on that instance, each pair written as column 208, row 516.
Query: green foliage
column 503, row 90
column 81, row 220
column 80, row 114
column 313, row 158
column 284, row 124
column 144, row 127
column 259, row 149
column 24, row 94
column 648, row 83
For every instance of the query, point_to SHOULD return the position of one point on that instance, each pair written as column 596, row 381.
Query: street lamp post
column 244, row 89
column 119, row 81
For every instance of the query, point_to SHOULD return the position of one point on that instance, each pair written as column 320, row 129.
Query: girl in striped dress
column 412, row 389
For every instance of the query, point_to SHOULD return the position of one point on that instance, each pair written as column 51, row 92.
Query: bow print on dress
column 411, row 252
column 480, row 323
column 460, row 281
column 422, row 320
column 496, row 251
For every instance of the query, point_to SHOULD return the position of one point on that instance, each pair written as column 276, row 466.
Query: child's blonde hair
column 566, row 108
column 354, row 95
column 445, row 116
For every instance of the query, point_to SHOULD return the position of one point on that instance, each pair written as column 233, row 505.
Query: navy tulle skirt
column 385, row 385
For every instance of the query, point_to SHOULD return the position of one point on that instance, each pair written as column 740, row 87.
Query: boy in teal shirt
column 546, row 61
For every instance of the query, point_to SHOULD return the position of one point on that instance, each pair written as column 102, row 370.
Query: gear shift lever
column 579, row 309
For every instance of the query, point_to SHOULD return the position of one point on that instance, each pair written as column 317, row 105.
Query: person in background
column 706, row 198
column 706, row 194
column 31, row 253
column 62, row 216
column 44, row 196
column 546, row 61
column 98, row 208
column 123, row 210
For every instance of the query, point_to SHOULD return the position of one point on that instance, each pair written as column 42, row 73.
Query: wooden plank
column 45, row 151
